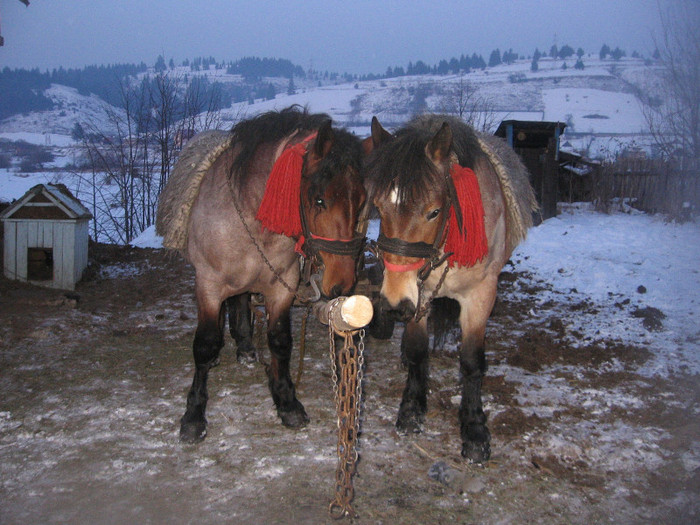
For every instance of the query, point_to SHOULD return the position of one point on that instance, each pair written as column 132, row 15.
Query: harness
column 429, row 255
column 309, row 244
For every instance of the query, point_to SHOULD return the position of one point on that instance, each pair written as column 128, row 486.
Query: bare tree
column 672, row 108
column 464, row 100
column 121, row 167
column 131, row 155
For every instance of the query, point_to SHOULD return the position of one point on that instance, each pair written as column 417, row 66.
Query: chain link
column 422, row 310
column 346, row 372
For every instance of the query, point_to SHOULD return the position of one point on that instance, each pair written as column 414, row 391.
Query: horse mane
column 402, row 165
column 345, row 152
column 270, row 127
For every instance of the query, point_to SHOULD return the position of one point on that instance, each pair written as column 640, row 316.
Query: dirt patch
column 95, row 383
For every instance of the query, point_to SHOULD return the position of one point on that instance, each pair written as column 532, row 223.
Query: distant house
column 46, row 237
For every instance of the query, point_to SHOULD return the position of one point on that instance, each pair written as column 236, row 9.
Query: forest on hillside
column 23, row 90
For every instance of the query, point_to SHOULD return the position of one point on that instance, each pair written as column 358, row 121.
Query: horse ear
column 324, row 139
column 438, row 149
column 379, row 136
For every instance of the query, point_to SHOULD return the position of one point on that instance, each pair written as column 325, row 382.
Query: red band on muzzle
column 403, row 267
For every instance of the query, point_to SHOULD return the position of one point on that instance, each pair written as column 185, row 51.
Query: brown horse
column 241, row 206
column 453, row 203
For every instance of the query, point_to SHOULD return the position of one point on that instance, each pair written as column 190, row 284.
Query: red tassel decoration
column 279, row 209
column 469, row 245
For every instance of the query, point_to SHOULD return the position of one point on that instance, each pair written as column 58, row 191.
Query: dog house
column 46, row 237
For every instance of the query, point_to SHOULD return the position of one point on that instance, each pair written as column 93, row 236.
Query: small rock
column 442, row 473
column 473, row 486
column 641, row 289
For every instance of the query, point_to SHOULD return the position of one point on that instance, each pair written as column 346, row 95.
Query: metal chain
column 422, row 310
column 267, row 262
column 348, row 393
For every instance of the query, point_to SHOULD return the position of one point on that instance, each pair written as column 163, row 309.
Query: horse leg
column 240, row 324
column 208, row 341
column 414, row 349
column 279, row 339
column 474, row 432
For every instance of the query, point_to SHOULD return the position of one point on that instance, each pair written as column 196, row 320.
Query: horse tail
column 444, row 316
column 178, row 195
column 515, row 185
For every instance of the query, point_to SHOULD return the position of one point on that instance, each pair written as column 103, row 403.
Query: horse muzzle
column 402, row 312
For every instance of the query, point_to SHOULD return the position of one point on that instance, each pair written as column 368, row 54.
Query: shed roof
column 47, row 202
column 530, row 133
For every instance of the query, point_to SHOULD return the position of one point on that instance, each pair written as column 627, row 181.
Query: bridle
column 429, row 256
column 309, row 246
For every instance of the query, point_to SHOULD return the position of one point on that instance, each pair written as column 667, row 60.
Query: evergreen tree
column 160, row 64
column 604, row 51
column 291, row 88
column 534, row 66
column 553, row 51
column 618, row 53
column 565, row 52
column 495, row 58
column 579, row 64
column 77, row 133
column 579, row 52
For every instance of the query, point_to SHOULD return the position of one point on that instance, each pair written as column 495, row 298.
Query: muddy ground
column 94, row 383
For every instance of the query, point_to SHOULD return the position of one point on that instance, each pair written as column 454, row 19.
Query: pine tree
column 495, row 58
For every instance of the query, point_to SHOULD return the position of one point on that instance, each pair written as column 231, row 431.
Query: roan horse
column 243, row 231
column 453, row 203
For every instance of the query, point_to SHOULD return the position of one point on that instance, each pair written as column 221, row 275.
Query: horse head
column 407, row 178
column 332, row 200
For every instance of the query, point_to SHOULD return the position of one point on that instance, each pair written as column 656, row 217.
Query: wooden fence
column 655, row 186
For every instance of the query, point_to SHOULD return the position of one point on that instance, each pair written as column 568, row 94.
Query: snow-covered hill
column 598, row 104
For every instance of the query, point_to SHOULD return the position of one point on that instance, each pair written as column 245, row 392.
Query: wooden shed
column 46, row 237
column 537, row 143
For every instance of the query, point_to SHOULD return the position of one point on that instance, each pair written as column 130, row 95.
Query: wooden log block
column 345, row 314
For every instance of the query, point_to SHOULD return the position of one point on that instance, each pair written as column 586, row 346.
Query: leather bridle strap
column 350, row 247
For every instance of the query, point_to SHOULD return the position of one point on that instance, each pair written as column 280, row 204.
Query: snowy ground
column 607, row 259
column 593, row 414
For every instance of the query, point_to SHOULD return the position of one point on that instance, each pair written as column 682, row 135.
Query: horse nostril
column 406, row 309
column 403, row 312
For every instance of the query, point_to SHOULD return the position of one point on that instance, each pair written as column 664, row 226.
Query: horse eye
column 433, row 214
column 320, row 202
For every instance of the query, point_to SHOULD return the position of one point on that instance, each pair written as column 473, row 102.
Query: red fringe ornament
column 279, row 209
column 469, row 246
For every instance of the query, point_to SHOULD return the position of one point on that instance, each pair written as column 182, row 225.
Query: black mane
column 346, row 152
column 273, row 126
column 401, row 163
column 268, row 127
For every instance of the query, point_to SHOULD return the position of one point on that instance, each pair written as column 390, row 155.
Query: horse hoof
column 193, row 431
column 476, row 452
column 409, row 424
column 295, row 417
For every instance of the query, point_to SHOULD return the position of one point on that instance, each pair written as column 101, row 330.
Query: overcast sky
column 355, row 36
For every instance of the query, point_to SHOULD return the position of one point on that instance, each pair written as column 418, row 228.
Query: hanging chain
column 423, row 309
column 346, row 372
column 267, row 262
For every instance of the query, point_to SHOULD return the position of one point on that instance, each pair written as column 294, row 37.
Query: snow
column 582, row 253
column 609, row 258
